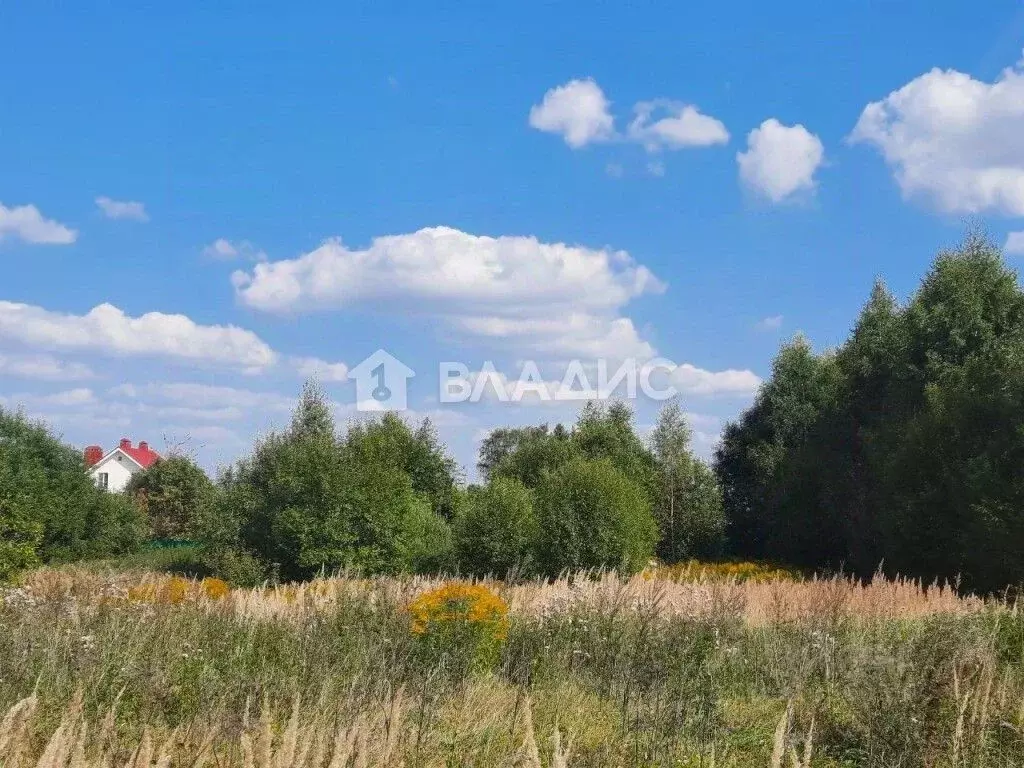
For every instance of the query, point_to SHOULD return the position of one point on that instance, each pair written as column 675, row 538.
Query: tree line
column 901, row 449
column 384, row 495
column 904, row 447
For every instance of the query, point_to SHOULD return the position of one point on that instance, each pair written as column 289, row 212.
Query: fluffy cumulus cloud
column 122, row 209
column 1014, row 244
column 576, row 334
column 952, row 141
column 547, row 297
column 780, row 160
column 26, row 223
column 581, row 113
column 665, row 124
column 690, row 380
column 108, row 330
column 42, row 367
column 578, row 111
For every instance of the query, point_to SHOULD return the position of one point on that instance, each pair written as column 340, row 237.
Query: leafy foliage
column 592, row 515
column 172, row 494
column 687, row 500
column 308, row 500
column 496, row 530
column 904, row 446
column 49, row 508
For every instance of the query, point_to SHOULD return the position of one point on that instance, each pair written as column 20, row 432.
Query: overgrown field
column 708, row 667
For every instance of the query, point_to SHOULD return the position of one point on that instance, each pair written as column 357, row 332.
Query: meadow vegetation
column 692, row 668
column 342, row 597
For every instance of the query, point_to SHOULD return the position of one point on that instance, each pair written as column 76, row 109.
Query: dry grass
column 698, row 595
column 140, row 669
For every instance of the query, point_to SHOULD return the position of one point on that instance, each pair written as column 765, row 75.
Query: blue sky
column 290, row 189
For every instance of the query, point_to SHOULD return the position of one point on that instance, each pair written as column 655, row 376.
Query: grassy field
column 693, row 666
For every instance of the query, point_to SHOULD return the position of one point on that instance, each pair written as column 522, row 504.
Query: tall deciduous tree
column 687, row 500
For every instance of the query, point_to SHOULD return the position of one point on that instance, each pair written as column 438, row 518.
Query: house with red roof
column 112, row 471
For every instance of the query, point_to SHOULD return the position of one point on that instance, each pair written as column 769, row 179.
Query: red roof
column 142, row 453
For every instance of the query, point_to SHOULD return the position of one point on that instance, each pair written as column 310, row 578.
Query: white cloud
column 122, row 209
column 780, row 160
column 574, row 335
column 772, row 323
column 543, row 295
column 26, row 223
column 315, row 368
column 226, row 250
column 577, row 110
column 682, row 126
column 581, row 113
column 1014, row 244
column 67, row 399
column 691, row 380
column 203, row 396
column 42, row 367
column 107, row 330
column 953, row 141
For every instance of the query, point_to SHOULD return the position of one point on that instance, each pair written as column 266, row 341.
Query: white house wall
column 118, row 467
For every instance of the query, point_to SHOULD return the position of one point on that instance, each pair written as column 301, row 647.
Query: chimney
column 92, row 454
column 143, row 446
column 126, row 444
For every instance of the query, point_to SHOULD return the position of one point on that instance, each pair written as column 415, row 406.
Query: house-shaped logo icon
column 381, row 382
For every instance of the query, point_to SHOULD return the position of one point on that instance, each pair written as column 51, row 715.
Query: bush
column 19, row 541
column 308, row 501
column 427, row 541
column 592, row 516
column 172, row 494
column 49, row 508
column 496, row 530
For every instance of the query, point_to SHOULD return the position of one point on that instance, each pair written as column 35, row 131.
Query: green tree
column 687, row 501
column 172, row 494
column 416, row 452
column 20, row 538
column 605, row 431
column 526, row 453
column 759, row 454
column 503, row 442
column 308, row 501
column 904, row 446
column 49, row 508
column 591, row 515
column 496, row 529
column 428, row 545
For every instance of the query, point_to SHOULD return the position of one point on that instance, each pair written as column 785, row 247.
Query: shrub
column 592, row 516
column 49, row 508
column 496, row 529
column 172, row 494
column 427, row 541
column 19, row 541
column 308, row 501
